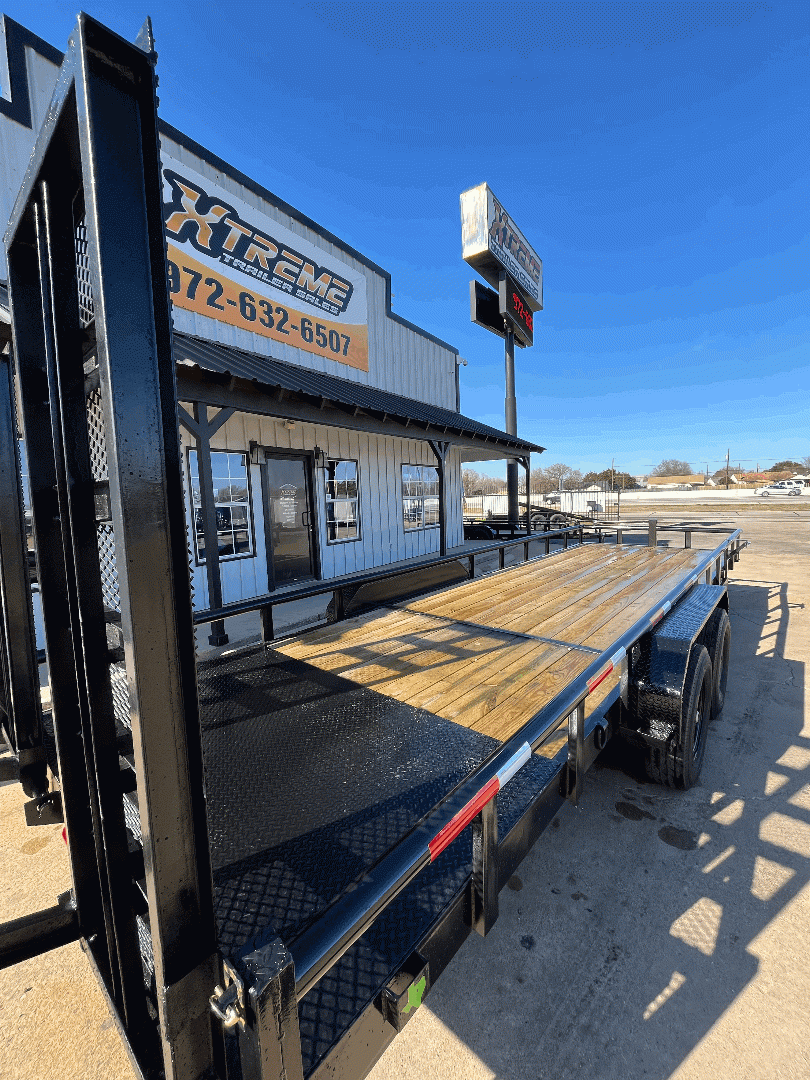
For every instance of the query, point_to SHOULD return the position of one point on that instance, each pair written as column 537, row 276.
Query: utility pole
column 727, row 454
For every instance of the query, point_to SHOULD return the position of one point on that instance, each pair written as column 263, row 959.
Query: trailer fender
column 658, row 663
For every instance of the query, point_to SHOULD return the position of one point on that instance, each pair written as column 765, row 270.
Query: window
column 231, row 484
column 342, row 517
column 420, row 496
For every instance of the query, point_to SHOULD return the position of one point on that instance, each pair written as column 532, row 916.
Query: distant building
column 675, row 483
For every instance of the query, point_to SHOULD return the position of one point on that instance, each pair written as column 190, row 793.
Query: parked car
column 782, row 487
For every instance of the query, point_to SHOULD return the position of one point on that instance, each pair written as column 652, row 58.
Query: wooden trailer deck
column 490, row 653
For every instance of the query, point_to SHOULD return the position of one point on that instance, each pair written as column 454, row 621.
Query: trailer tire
column 716, row 637
column 677, row 764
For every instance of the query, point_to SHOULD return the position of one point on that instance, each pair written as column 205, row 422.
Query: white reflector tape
column 618, row 657
column 515, row 763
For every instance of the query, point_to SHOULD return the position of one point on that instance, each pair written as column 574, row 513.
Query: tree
column 539, row 482
column 475, row 483
column 806, row 462
column 621, row 481
column 789, row 466
column 470, row 482
column 562, row 476
column 672, row 467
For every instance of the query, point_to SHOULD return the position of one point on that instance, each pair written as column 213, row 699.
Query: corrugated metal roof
column 228, row 360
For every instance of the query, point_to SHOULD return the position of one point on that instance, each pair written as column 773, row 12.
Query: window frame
column 251, row 526
column 333, row 500
column 420, row 497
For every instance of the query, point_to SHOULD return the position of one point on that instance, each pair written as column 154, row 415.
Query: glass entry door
column 289, row 520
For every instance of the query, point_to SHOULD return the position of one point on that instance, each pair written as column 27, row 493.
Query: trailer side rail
column 322, row 944
column 267, row 601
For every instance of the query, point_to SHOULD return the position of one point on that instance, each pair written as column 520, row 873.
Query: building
column 673, row 483
column 322, row 434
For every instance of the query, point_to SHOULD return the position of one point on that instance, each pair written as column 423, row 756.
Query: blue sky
column 654, row 154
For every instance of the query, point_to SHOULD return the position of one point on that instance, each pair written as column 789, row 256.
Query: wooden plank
column 454, row 698
column 366, row 626
column 504, row 583
column 608, row 596
column 423, row 655
column 583, row 621
column 528, row 590
column 502, row 702
column 530, row 605
column 370, row 644
column 358, row 629
column 441, row 695
column 416, row 666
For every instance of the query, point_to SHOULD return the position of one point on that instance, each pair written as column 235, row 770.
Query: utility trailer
column 276, row 852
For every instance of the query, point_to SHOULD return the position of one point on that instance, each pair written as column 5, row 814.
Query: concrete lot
column 649, row 934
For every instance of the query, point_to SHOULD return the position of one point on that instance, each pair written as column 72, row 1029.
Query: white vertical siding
column 379, row 458
column 453, row 493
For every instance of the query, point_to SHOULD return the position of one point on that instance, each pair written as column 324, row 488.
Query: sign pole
column 510, row 425
column 493, row 244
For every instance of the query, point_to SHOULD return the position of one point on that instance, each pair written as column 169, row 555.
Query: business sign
column 485, row 310
column 230, row 262
column 514, row 307
column 491, row 242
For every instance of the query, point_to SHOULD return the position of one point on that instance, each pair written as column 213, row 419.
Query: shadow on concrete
column 634, row 922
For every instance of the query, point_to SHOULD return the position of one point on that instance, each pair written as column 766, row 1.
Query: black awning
column 322, row 389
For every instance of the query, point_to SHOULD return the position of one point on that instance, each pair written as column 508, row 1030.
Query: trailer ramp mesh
column 309, row 780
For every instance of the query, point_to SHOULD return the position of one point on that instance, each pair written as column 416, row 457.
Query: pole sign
column 485, row 310
column 230, row 262
column 492, row 243
column 514, row 308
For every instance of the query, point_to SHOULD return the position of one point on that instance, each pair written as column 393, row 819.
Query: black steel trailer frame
column 102, row 436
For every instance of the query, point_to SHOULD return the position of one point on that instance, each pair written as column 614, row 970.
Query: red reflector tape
column 462, row 819
column 600, row 676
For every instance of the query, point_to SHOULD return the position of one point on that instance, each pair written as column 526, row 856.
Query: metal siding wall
column 400, row 360
column 383, row 539
column 453, row 493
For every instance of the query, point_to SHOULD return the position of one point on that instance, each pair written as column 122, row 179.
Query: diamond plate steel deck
column 310, row 779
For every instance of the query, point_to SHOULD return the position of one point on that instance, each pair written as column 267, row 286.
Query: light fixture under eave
column 320, row 457
column 289, row 424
